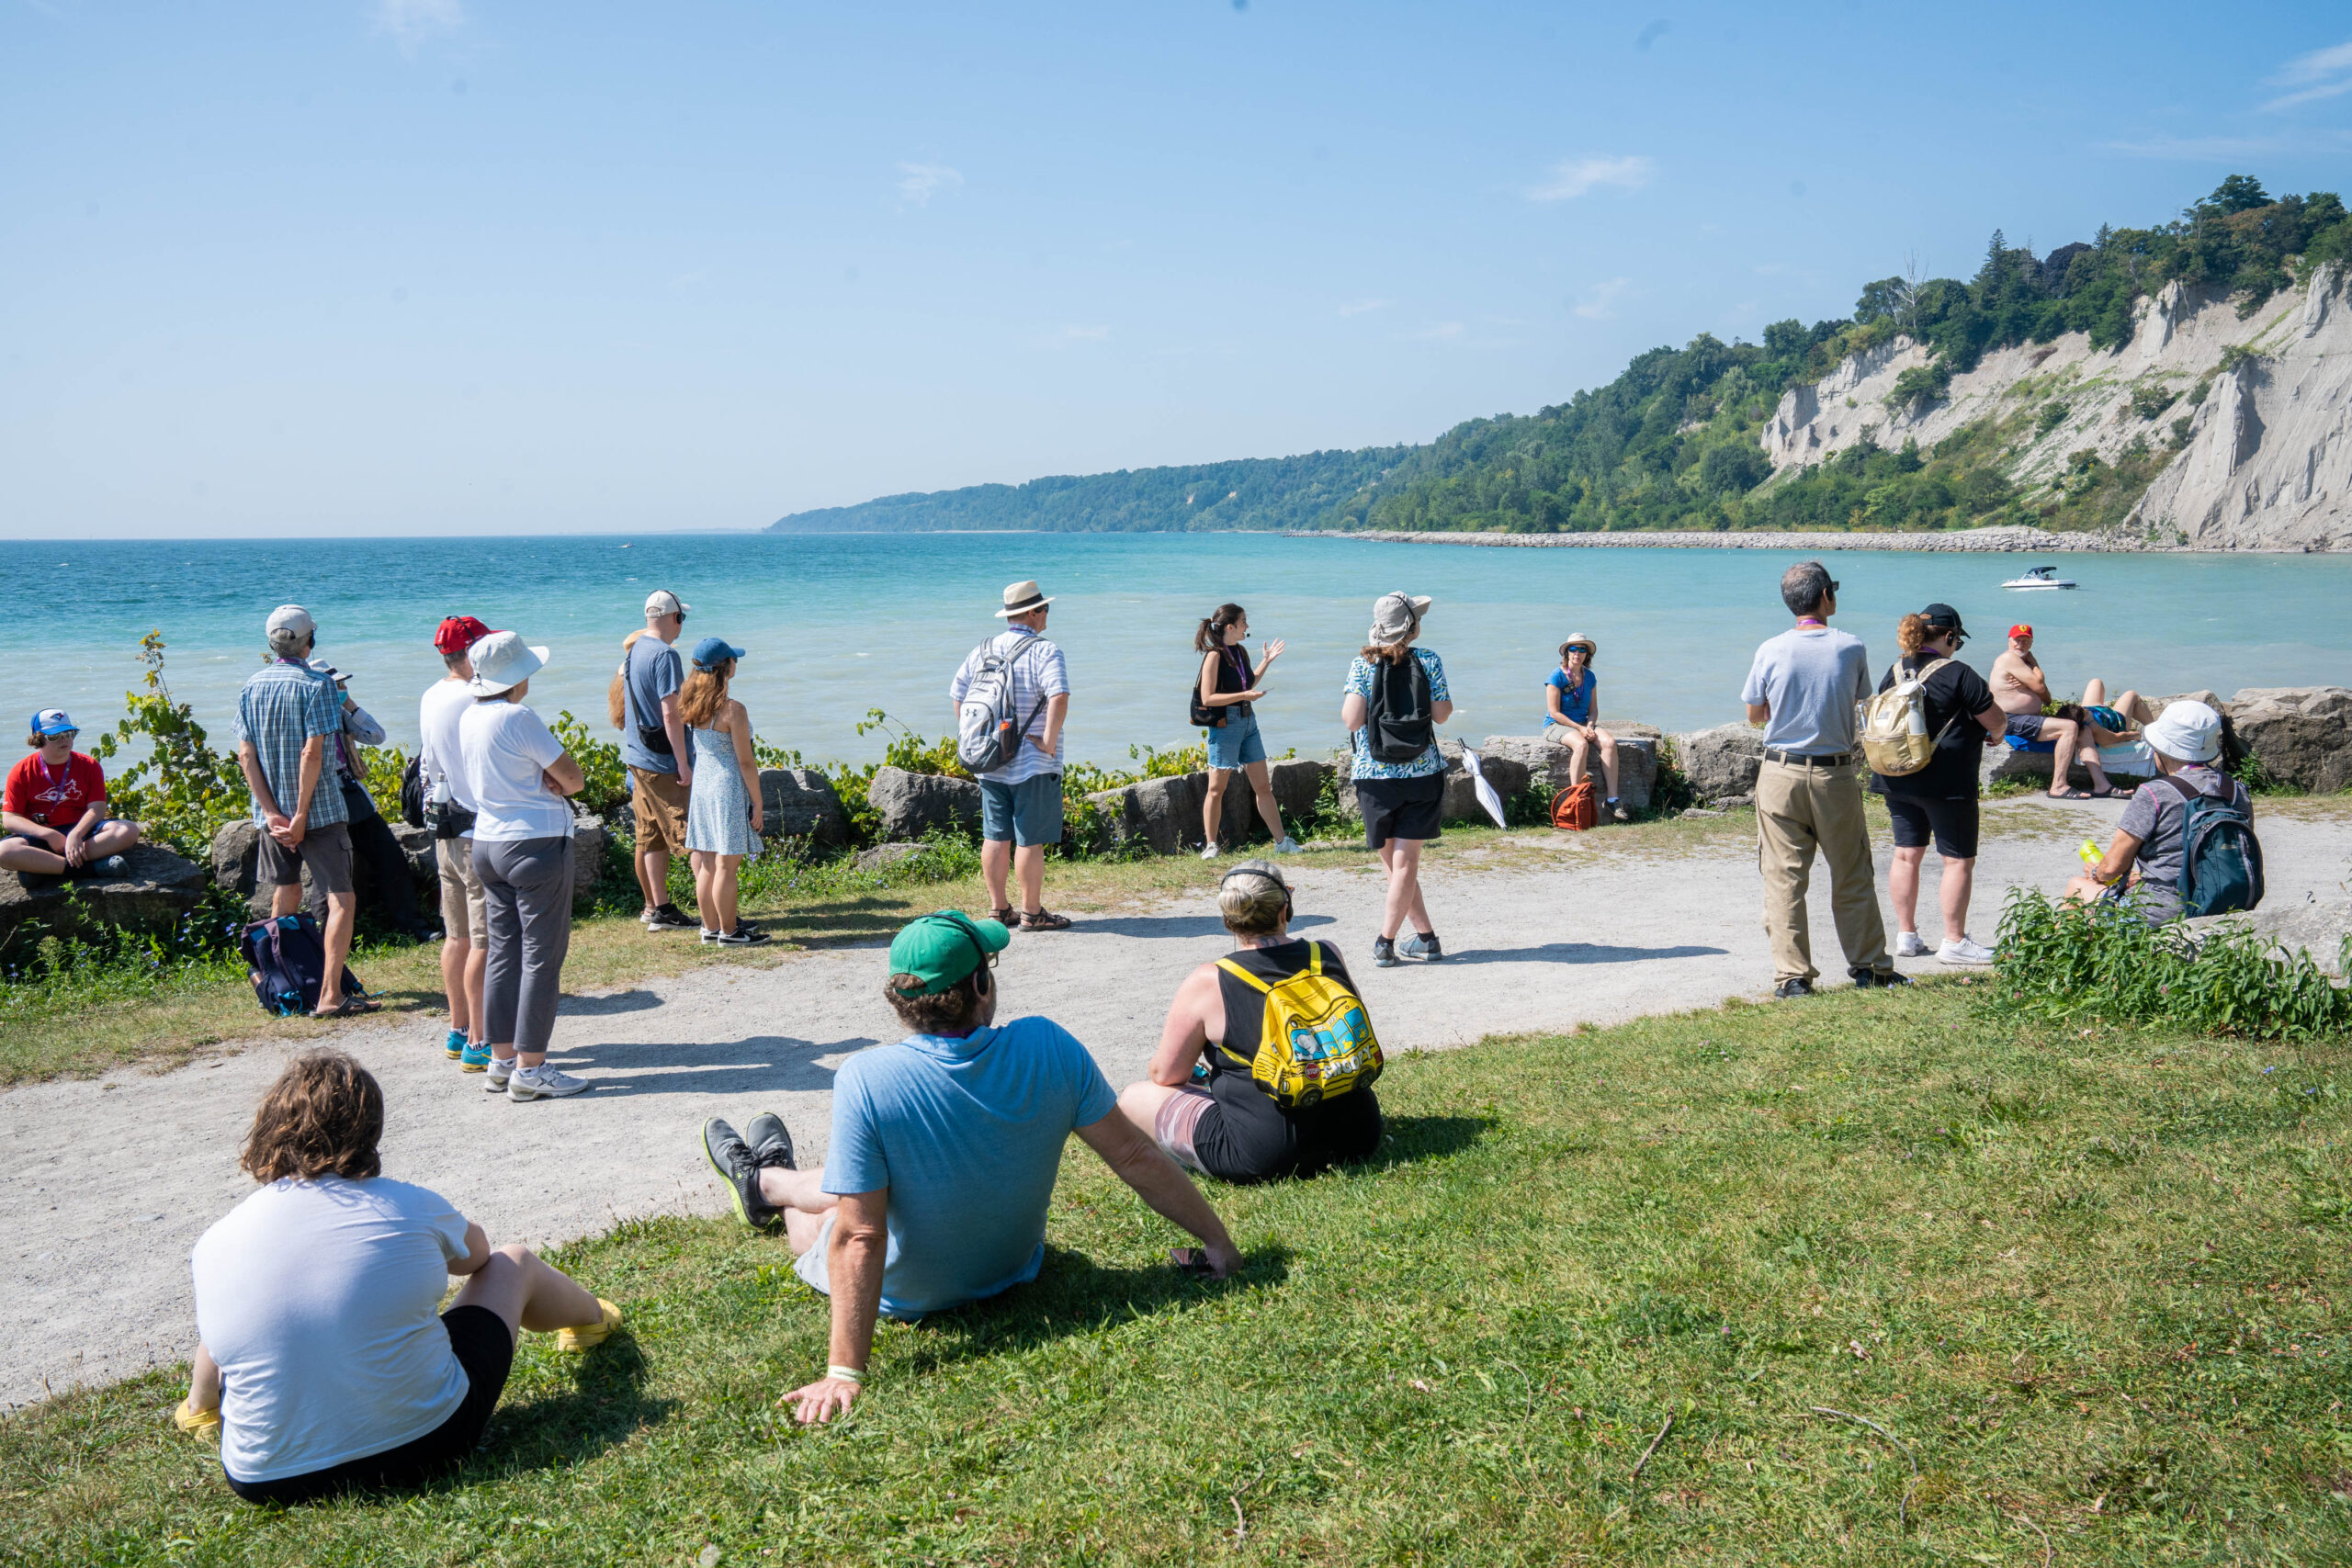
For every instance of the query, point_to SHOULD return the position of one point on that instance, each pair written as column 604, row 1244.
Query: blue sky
column 413, row 265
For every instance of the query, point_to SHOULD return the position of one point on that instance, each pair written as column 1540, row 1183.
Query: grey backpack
column 987, row 734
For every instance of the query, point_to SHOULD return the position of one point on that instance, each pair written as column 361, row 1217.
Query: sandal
column 1008, row 916
column 2072, row 794
column 1044, row 921
column 2113, row 792
column 352, row 1008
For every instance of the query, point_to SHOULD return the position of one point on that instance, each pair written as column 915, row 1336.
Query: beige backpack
column 1895, row 725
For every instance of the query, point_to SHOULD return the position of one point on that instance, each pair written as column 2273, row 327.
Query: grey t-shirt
column 1812, row 677
column 653, row 672
column 2154, row 817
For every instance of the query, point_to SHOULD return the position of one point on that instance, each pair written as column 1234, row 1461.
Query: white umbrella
column 1486, row 795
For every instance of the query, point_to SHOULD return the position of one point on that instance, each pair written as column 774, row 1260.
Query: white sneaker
column 1963, row 952
column 542, row 1082
column 501, row 1073
column 1208, row 852
column 1908, row 945
column 1289, row 846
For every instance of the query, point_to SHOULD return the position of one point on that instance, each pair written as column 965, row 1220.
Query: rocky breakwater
column 236, row 852
column 1996, row 540
column 1164, row 815
column 155, row 890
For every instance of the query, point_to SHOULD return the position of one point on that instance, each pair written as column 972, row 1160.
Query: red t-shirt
column 54, row 800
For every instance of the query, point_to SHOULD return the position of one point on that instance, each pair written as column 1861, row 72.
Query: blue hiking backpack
column 286, row 958
column 2221, row 860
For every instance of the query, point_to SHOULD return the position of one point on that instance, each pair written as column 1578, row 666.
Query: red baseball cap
column 457, row 633
column 2020, row 629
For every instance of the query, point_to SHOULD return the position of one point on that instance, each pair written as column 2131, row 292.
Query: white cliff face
column 2267, row 458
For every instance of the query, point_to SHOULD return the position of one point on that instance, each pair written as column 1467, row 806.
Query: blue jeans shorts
column 1238, row 745
column 1027, row 813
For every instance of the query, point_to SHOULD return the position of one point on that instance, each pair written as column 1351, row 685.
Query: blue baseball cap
column 53, row 721
column 711, row 650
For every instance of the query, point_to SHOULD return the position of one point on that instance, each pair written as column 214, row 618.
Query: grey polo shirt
column 1813, row 678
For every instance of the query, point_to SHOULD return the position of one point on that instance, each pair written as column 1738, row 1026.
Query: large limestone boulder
column 236, row 848
column 913, row 805
column 156, row 888
column 1722, row 763
column 1166, row 813
column 2303, row 734
column 1508, row 774
column 2314, row 925
column 800, row 803
column 1546, row 761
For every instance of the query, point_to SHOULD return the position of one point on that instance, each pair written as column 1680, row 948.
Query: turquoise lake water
column 836, row 625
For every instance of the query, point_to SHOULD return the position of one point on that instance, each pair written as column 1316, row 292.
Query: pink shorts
column 1172, row 1128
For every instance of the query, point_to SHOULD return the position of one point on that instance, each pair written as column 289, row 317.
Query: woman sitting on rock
column 1572, row 719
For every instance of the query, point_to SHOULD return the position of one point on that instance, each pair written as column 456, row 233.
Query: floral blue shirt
column 1427, row 762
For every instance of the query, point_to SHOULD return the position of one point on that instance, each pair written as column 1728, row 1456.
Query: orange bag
column 1575, row 807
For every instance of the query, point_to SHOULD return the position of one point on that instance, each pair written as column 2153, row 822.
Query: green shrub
column 2060, row 961
column 607, row 784
column 1921, row 387
column 182, row 792
column 2053, row 415
column 2151, row 399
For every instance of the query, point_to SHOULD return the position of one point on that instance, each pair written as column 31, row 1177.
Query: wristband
column 847, row 1374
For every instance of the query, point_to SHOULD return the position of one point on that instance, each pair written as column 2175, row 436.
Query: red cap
column 2020, row 629
column 457, row 633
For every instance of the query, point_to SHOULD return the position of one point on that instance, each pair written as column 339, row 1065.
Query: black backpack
column 286, row 958
column 412, row 792
column 1398, row 726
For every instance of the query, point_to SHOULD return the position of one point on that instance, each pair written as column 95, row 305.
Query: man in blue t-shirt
column 1805, row 688
column 653, row 746
column 944, row 1150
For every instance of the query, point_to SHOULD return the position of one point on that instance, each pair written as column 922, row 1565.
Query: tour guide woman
column 1401, row 801
column 1572, row 719
column 1224, row 711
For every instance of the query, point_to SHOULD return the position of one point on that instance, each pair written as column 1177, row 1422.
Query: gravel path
column 109, row 1182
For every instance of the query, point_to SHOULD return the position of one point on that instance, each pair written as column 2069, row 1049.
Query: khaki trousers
column 1798, row 809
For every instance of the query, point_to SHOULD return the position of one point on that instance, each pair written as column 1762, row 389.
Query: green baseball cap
column 941, row 949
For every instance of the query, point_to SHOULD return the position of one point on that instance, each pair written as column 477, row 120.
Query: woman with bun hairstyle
column 1938, row 803
column 1229, row 686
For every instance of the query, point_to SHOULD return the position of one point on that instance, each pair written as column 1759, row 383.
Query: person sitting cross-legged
column 54, row 819
column 1229, row 1125
column 945, row 1151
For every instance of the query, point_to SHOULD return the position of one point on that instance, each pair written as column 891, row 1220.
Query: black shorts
column 1952, row 823
column 1400, row 809
column 479, row 1339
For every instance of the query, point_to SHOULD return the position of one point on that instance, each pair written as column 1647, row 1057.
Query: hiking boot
column 1044, row 921
column 733, row 1159
column 1884, row 979
column 542, row 1082
column 578, row 1339
column 1964, row 952
column 500, row 1069
column 1423, row 945
column 1908, row 945
column 1384, row 952
column 742, row 936
column 1791, row 990
column 771, row 1145
column 668, row 918
column 454, row 1047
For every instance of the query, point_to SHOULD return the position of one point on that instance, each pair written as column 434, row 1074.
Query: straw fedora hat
column 1583, row 640
column 1022, row 598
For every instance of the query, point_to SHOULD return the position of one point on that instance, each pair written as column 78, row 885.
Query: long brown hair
column 1393, row 652
column 614, row 698
column 704, row 693
column 1211, row 636
column 323, row 1117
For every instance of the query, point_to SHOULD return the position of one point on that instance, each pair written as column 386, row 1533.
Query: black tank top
column 1233, row 675
column 1249, row 1137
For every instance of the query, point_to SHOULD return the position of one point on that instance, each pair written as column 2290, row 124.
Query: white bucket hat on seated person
column 1394, row 615
column 503, row 662
column 2186, row 732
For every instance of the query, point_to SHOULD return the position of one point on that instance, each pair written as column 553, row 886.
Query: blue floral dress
column 719, row 806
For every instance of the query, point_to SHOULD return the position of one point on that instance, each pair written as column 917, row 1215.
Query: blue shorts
column 1238, row 745
column 1027, row 813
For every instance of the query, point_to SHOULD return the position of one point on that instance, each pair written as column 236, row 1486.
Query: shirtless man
column 2021, row 688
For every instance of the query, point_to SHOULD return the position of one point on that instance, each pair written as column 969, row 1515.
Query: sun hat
column 53, row 721
column 457, row 633
column 662, row 602
column 288, row 624
column 711, row 650
column 2186, row 732
column 2020, row 629
column 1581, row 640
column 941, row 949
column 503, row 662
column 1393, row 617
column 1022, row 597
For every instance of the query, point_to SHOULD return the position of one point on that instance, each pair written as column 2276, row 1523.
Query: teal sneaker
column 455, row 1046
column 476, row 1058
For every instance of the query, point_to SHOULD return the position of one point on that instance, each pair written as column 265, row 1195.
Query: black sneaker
column 668, row 917
column 1384, row 952
column 1884, row 979
column 1790, row 991
column 739, row 1169
column 771, row 1145
column 1424, row 946
column 742, row 936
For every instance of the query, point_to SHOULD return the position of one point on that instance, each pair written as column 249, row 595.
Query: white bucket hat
column 1022, row 597
column 2186, row 732
column 1393, row 617
column 503, row 662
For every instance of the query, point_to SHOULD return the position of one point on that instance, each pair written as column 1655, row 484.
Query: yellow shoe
column 197, row 1423
column 592, row 1335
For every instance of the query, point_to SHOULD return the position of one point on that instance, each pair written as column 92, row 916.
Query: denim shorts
column 1238, row 745
column 1027, row 813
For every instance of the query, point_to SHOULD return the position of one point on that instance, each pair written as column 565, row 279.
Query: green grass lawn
column 2086, row 1282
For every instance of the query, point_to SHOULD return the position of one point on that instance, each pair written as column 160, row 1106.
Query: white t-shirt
column 319, row 1300
column 441, row 757
column 505, row 748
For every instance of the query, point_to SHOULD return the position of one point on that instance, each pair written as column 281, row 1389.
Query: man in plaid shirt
column 286, row 716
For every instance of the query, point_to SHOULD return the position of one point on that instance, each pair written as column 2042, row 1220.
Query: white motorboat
column 2041, row 577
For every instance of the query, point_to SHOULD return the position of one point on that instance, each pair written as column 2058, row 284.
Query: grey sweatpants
column 527, row 884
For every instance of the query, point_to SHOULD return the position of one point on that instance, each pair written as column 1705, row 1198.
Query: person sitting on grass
column 1572, row 719
column 1227, row 1125
column 2142, row 862
column 325, row 1362
column 54, row 819
column 943, row 1154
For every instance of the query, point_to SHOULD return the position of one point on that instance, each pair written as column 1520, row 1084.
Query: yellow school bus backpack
column 1315, row 1040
